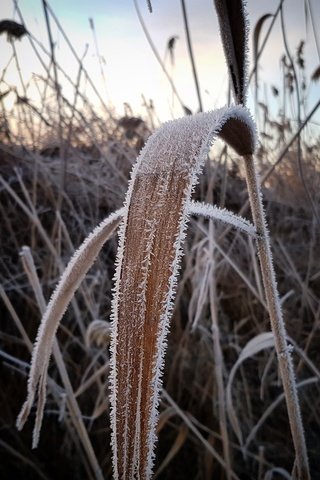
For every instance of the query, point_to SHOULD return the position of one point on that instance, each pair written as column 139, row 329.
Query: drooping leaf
column 148, row 262
column 257, row 32
column 223, row 215
column 254, row 346
column 74, row 273
column 256, row 37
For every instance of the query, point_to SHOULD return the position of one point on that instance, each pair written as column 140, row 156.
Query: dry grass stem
column 234, row 32
column 218, row 354
column 277, row 323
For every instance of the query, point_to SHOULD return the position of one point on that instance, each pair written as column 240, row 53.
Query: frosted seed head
column 98, row 333
column 234, row 27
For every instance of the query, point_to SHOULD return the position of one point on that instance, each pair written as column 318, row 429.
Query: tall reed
column 234, row 34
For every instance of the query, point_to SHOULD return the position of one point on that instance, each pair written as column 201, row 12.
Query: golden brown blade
column 148, row 262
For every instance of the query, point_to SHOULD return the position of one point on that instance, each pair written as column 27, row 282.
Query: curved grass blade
column 74, row 273
column 255, row 42
column 148, row 262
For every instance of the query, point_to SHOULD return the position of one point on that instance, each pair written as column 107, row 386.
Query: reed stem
column 301, row 468
column 194, row 70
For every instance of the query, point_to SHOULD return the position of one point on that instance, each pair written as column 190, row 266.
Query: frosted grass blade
column 148, row 260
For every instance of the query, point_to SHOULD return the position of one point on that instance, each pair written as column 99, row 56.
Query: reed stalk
column 301, row 469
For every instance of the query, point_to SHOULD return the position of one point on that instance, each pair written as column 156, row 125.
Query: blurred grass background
column 64, row 165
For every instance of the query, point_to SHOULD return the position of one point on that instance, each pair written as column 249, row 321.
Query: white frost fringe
column 215, row 213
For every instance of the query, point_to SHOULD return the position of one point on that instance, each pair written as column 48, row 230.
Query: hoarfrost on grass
column 223, row 215
column 70, row 280
column 153, row 231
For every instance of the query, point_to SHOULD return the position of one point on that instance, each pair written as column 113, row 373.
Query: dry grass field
column 64, row 167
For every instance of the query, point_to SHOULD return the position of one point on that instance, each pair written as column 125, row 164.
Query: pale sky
column 131, row 68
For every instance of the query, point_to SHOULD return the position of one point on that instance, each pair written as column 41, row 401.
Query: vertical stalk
column 265, row 40
column 58, row 96
column 194, row 70
column 216, row 340
column 218, row 356
column 299, row 151
column 153, row 48
column 301, row 468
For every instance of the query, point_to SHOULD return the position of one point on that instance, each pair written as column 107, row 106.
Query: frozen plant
column 153, row 227
column 152, row 230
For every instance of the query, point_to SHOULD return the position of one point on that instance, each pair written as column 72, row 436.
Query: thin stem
column 277, row 322
column 218, row 355
column 314, row 27
column 194, row 70
column 58, row 96
column 28, row 122
column 153, row 48
column 95, row 39
column 33, row 41
column 79, row 60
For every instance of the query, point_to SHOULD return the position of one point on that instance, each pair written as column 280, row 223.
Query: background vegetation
column 64, row 165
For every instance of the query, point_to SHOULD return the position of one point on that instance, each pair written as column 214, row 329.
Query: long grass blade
column 69, row 283
column 148, row 260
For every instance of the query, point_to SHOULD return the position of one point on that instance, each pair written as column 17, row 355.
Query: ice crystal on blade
column 223, row 215
column 148, row 260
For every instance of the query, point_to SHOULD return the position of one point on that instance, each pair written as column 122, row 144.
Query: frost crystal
column 222, row 214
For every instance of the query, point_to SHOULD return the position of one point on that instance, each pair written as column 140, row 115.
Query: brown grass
column 188, row 373
column 220, row 305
